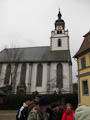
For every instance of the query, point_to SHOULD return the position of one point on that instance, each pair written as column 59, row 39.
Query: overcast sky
column 30, row 22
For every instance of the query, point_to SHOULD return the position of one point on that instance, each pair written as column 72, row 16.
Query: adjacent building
column 45, row 69
column 83, row 61
column 75, row 88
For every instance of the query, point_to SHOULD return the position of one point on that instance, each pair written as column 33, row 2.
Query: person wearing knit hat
column 41, row 112
column 82, row 113
column 45, row 109
column 44, row 102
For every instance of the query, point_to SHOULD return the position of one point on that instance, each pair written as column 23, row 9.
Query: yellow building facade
column 83, row 61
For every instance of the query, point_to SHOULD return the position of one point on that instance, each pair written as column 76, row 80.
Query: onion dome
column 59, row 22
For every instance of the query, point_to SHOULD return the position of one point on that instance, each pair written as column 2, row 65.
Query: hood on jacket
column 82, row 113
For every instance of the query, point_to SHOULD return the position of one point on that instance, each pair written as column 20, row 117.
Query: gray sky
column 30, row 22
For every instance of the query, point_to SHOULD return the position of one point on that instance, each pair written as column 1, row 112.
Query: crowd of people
column 41, row 109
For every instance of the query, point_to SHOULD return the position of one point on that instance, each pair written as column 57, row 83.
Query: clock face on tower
column 59, row 28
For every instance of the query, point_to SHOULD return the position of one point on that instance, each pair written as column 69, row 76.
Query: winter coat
column 59, row 115
column 32, row 115
column 52, row 114
column 68, row 116
column 42, row 114
column 22, row 112
column 82, row 113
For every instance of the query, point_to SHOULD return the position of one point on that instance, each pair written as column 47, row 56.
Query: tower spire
column 59, row 23
column 59, row 14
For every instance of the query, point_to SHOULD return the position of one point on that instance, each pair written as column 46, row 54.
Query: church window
column 8, row 74
column 39, row 75
column 23, row 74
column 59, row 43
column 15, row 73
column 59, row 81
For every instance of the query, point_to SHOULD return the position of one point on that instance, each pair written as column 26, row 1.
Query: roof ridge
column 28, row 47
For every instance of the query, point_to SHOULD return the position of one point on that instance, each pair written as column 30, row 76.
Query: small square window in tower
column 59, row 43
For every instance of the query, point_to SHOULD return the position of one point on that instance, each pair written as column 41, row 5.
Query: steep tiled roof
column 85, row 45
column 34, row 54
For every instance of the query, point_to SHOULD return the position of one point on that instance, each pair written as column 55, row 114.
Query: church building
column 44, row 69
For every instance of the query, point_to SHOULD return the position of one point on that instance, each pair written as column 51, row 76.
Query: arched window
column 59, row 82
column 59, row 43
column 23, row 74
column 15, row 73
column 59, row 32
column 8, row 74
column 39, row 75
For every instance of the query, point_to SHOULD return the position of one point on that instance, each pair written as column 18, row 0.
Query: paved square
column 7, row 115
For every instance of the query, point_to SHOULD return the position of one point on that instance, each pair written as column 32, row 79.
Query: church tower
column 59, row 37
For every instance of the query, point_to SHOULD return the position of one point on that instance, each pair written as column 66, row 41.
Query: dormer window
column 59, row 43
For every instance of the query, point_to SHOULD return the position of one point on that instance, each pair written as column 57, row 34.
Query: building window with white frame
column 83, row 62
column 85, row 87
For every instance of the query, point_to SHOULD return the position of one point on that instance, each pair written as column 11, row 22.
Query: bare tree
column 52, row 84
column 11, row 56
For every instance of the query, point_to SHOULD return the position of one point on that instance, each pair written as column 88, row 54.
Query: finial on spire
column 59, row 14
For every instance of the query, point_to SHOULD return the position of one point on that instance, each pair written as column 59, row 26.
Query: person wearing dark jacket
column 61, row 111
column 58, row 110
column 23, row 111
column 42, row 111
